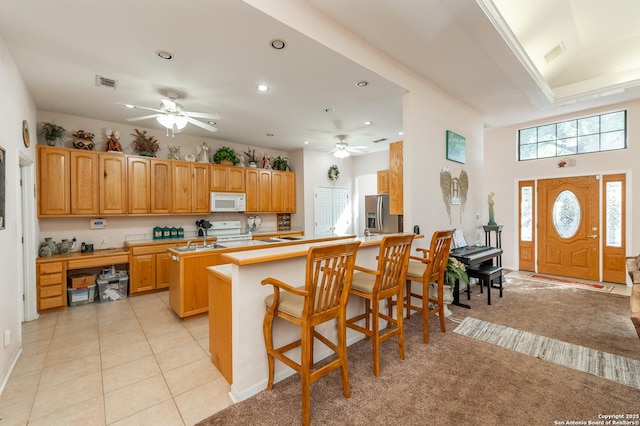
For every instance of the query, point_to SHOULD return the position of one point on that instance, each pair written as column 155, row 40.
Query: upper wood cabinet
column 54, row 182
column 383, row 181
column 161, row 184
column 139, row 193
column 85, row 194
column 283, row 192
column 227, row 178
column 149, row 185
column 190, row 187
column 258, row 190
column 113, row 184
column 396, row 194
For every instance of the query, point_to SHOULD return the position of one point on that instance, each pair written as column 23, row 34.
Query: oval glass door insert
column 566, row 214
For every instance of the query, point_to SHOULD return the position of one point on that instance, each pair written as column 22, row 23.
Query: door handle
column 594, row 236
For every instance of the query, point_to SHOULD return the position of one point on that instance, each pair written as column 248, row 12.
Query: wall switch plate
column 98, row 223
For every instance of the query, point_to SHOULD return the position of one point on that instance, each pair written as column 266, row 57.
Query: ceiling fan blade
column 205, row 126
column 360, row 147
column 144, row 117
column 202, row 115
column 139, row 107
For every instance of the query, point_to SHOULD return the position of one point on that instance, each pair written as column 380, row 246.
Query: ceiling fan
column 343, row 150
column 173, row 116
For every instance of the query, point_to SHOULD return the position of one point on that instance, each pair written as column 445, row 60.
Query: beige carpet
column 462, row 381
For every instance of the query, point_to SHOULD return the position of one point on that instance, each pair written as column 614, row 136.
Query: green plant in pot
column 52, row 132
column 455, row 270
column 145, row 144
column 281, row 163
column 225, row 155
column 252, row 160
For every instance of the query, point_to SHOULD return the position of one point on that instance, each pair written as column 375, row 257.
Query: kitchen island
column 236, row 301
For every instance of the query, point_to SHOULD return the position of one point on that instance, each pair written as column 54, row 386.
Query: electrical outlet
column 73, row 243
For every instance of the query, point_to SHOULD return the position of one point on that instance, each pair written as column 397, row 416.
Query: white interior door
column 332, row 210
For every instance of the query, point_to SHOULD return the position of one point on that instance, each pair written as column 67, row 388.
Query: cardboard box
column 81, row 280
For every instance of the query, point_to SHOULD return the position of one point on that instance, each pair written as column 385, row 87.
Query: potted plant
column 52, row 132
column 83, row 140
column 225, row 155
column 455, row 270
column 145, row 144
column 251, row 157
column 281, row 163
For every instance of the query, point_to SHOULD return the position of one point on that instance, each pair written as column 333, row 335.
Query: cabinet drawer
column 50, row 279
column 152, row 249
column 50, row 291
column 53, row 302
column 50, row 267
column 93, row 261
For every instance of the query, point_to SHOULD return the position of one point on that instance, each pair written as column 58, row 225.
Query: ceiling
column 221, row 52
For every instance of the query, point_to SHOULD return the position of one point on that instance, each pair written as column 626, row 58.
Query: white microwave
column 228, row 202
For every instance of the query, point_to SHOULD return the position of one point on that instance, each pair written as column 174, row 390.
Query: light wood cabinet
column 227, row 178
column 396, row 194
column 113, row 184
column 190, row 187
column 51, row 285
column 383, row 181
column 200, row 198
column 161, row 184
column 54, row 181
column 85, row 198
column 188, row 292
column 139, row 182
column 283, row 192
column 149, row 267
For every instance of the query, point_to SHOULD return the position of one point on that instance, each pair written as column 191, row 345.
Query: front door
column 568, row 234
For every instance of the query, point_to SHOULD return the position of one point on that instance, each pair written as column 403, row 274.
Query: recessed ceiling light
column 400, row 133
column 278, row 44
column 367, row 123
column 263, row 87
column 164, row 54
column 330, row 110
column 306, row 142
column 362, row 83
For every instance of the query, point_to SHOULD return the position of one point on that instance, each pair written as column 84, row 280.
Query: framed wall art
column 456, row 147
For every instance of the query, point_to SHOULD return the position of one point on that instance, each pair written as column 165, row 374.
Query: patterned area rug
column 612, row 367
column 590, row 286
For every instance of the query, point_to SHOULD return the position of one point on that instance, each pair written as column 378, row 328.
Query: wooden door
column 251, row 189
column 163, row 262
column 396, row 194
column 264, row 188
column 277, row 191
column 113, row 184
column 143, row 273
column 527, row 226
column 200, row 198
column 85, row 198
column 383, row 181
column 181, row 199
column 235, row 179
column 139, row 175
column 53, row 181
column 219, row 178
column 568, row 234
column 289, row 192
column 161, row 186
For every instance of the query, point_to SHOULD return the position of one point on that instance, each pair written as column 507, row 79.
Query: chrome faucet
column 204, row 235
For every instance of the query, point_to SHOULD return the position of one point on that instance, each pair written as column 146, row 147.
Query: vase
column 447, row 297
column 80, row 143
column 147, row 153
column 47, row 248
column 253, row 164
column 51, row 142
column 226, row 162
column 64, row 247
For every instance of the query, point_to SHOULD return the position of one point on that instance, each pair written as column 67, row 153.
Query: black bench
column 486, row 274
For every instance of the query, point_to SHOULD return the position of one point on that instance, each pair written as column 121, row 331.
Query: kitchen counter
column 236, row 301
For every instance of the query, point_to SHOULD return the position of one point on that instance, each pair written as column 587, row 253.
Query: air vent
column 554, row 53
column 106, row 82
column 380, row 140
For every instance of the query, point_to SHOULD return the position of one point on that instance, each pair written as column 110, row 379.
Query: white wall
column 503, row 171
column 16, row 105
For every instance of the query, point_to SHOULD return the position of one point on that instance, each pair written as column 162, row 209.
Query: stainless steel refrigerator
column 379, row 220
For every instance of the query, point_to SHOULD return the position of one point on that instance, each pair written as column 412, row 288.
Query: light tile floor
column 128, row 362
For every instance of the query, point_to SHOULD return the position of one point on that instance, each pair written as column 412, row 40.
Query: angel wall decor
column 454, row 190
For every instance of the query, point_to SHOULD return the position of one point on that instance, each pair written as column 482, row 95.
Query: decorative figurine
column 174, row 152
column 203, row 156
column 492, row 221
column 113, row 142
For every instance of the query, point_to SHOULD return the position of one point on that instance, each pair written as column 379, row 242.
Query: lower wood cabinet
column 51, row 285
column 149, row 268
column 188, row 289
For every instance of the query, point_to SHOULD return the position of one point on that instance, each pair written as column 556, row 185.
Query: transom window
column 597, row 133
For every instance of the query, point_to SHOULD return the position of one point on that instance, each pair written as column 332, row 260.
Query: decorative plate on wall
column 25, row 133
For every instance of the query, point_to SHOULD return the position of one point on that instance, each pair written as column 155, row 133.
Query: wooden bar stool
column 329, row 272
column 485, row 274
